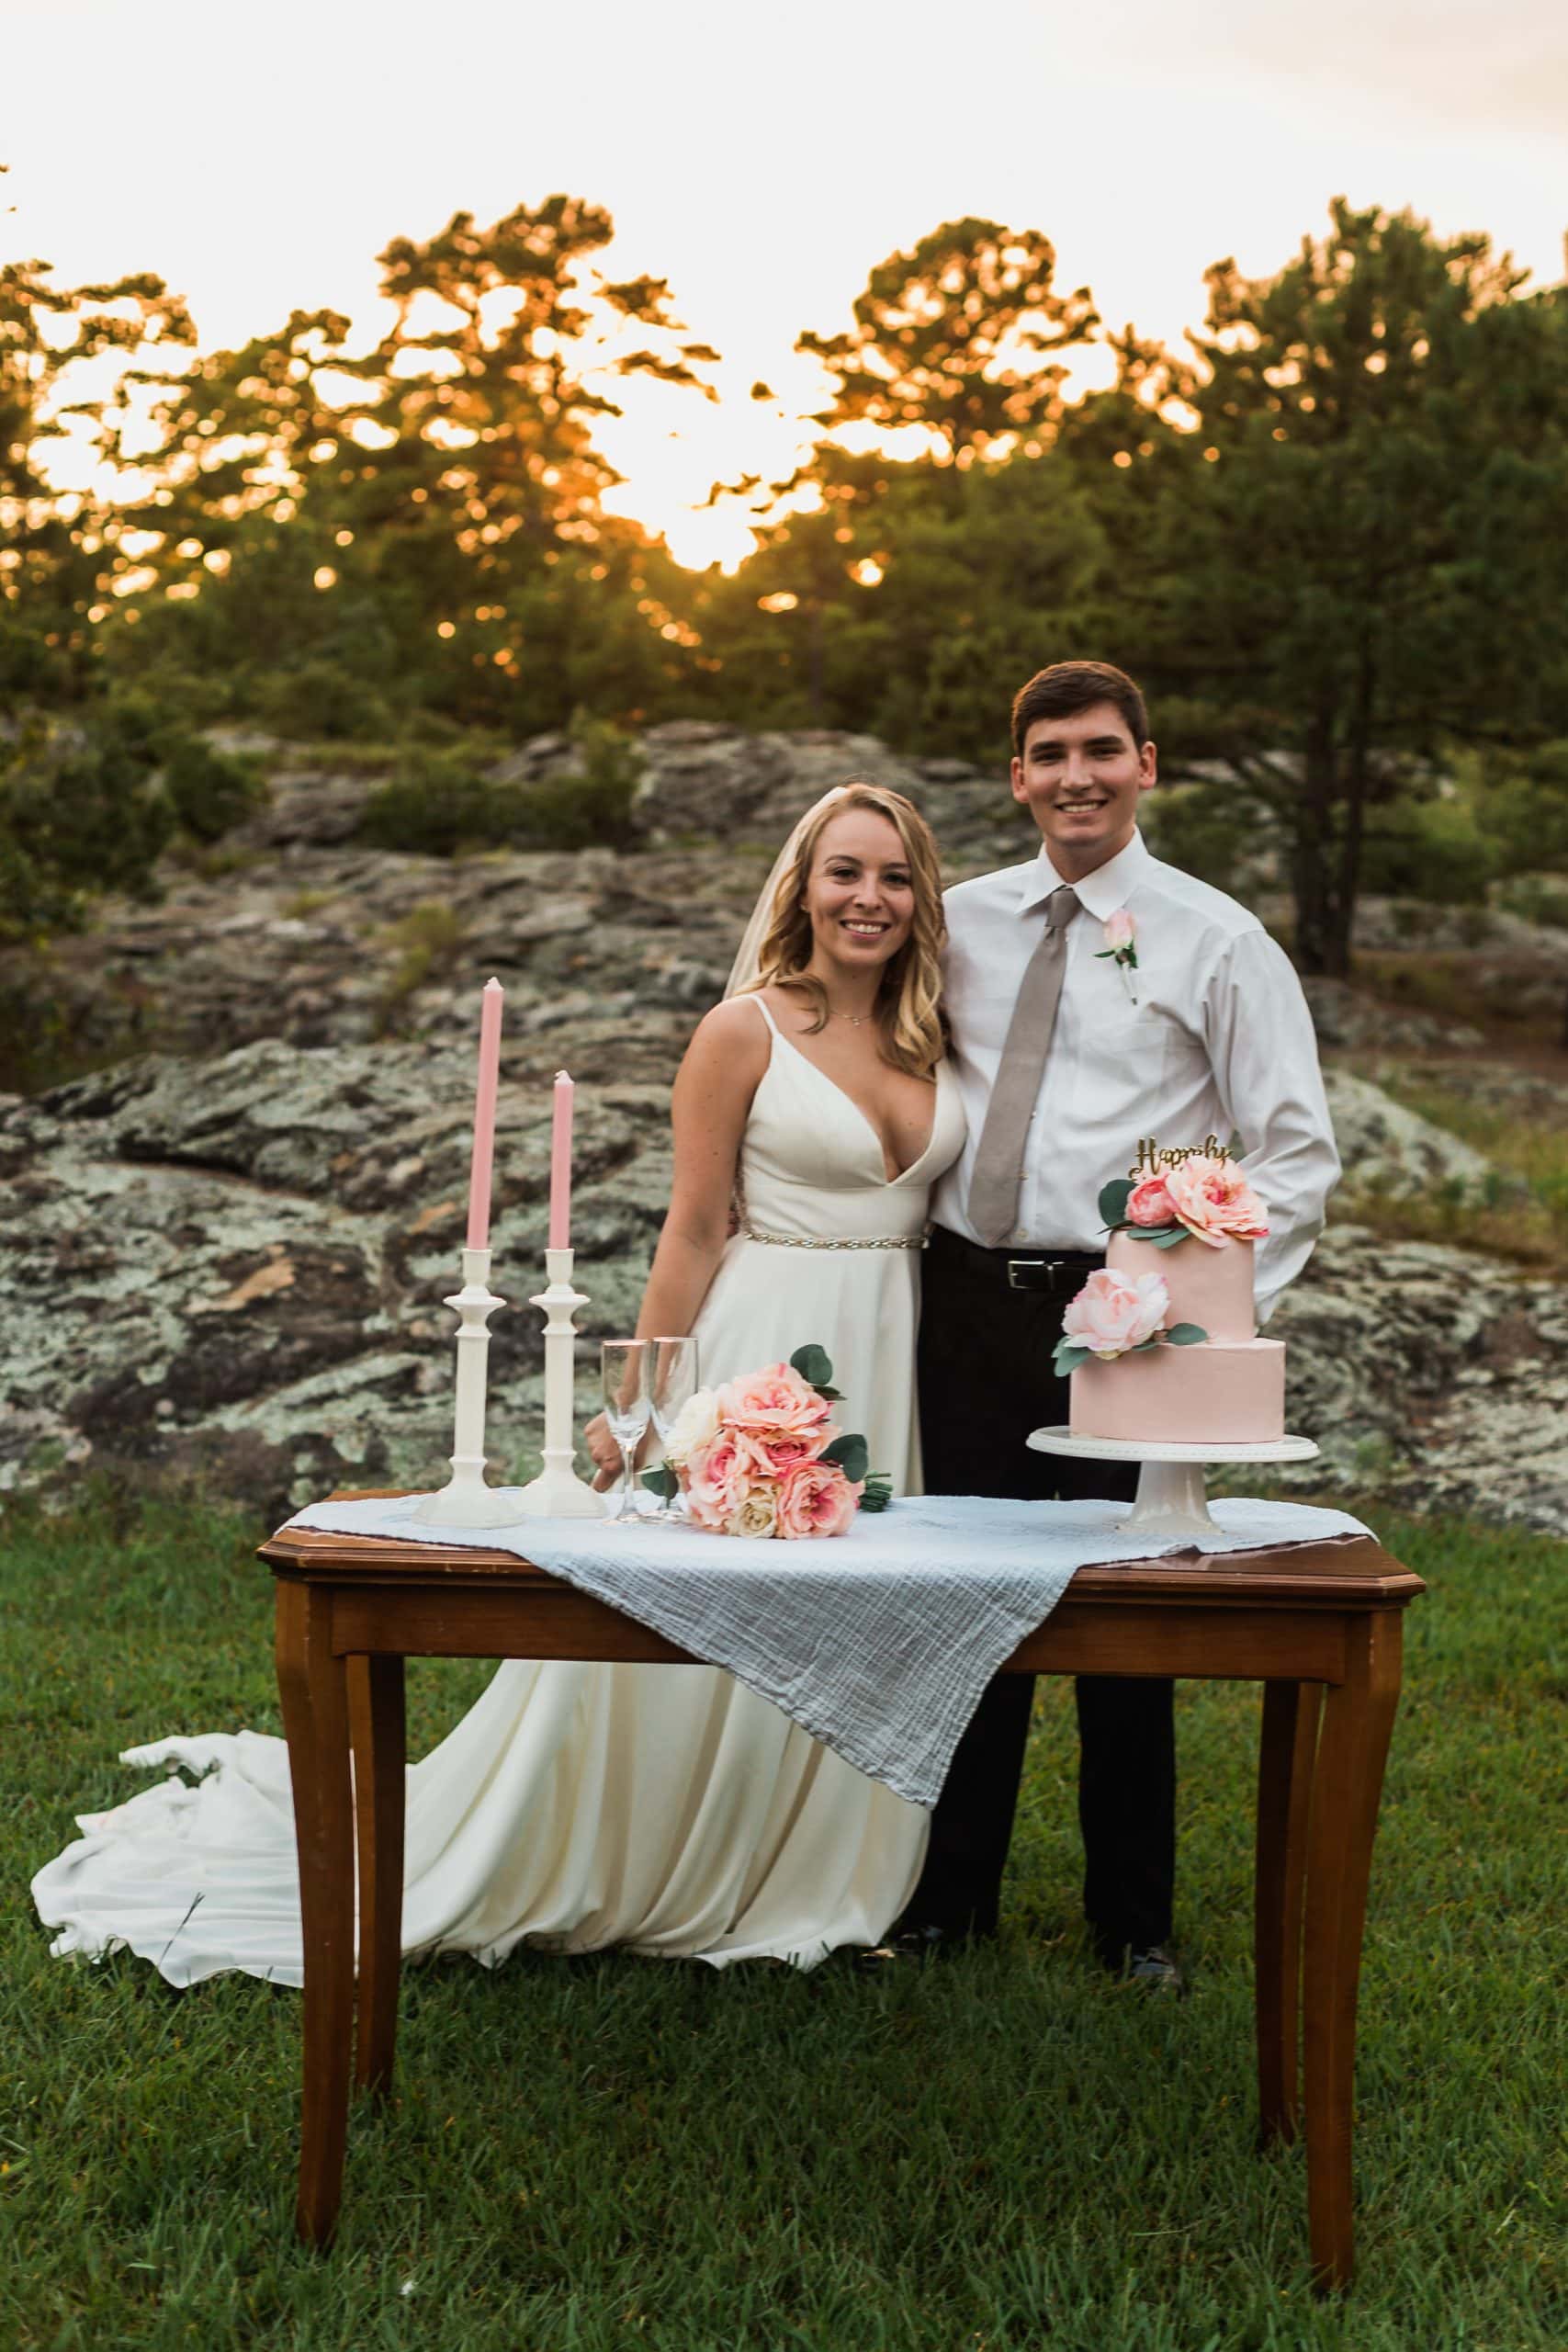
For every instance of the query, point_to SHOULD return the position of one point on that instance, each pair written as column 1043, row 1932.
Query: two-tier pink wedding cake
column 1162, row 1346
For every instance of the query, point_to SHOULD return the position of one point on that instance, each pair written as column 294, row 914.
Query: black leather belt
column 1064, row 1271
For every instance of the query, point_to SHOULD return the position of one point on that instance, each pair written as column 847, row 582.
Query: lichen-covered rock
column 226, row 1252
column 1348, row 1019
column 237, row 1267
column 1389, row 1149
column 1434, row 1376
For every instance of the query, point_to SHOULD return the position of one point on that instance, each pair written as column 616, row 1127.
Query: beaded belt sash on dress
column 801, row 1242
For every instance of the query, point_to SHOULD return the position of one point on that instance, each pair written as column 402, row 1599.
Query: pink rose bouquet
column 762, row 1455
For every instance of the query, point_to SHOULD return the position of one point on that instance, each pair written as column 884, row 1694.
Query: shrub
column 441, row 802
column 434, row 804
column 1434, row 850
column 209, row 791
column 1535, row 898
column 1215, row 831
column 80, row 813
column 430, row 941
column 590, row 806
column 321, row 702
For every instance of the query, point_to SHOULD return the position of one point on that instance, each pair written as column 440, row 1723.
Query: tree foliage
column 51, row 545
column 423, row 517
column 1358, row 549
column 1332, row 539
column 958, row 335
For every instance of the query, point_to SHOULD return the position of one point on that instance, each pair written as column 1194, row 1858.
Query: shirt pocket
column 1122, row 1044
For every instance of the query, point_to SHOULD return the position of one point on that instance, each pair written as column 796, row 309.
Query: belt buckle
column 1031, row 1265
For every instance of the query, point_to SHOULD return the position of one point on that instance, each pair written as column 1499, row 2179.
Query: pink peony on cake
column 1162, row 1346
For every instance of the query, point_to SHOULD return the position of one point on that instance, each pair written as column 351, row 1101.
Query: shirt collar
column 1108, row 887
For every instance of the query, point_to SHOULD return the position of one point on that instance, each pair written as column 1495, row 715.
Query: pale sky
column 763, row 160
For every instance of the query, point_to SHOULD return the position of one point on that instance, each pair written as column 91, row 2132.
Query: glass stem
column 629, row 1494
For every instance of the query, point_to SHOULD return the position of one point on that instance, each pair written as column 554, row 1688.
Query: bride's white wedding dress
column 668, row 1809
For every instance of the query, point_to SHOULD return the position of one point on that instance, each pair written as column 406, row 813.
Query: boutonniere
column 1122, row 948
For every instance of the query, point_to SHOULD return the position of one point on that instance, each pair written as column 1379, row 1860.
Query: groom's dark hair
column 1068, row 687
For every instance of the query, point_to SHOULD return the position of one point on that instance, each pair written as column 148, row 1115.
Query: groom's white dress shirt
column 1210, row 1036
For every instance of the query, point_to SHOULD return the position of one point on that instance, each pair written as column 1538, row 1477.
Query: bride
column 668, row 1809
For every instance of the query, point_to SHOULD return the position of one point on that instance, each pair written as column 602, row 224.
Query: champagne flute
column 672, row 1380
column 623, row 1368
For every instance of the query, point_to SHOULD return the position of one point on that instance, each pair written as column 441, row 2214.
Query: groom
column 1065, row 1058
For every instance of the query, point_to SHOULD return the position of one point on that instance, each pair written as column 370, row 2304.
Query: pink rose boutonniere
column 1121, row 948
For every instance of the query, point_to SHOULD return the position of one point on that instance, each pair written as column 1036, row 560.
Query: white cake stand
column 1171, row 1497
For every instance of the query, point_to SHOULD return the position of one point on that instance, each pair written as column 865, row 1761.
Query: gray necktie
column 999, row 1160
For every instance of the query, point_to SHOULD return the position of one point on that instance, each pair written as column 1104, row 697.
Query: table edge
column 1318, row 1575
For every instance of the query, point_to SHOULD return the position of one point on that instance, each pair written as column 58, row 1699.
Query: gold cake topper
column 1151, row 1159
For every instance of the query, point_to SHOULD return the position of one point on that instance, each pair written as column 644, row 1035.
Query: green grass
column 1005, row 2150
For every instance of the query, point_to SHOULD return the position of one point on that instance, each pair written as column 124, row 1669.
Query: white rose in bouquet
column 695, row 1426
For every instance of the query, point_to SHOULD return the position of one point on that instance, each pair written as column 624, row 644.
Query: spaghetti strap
column 766, row 1015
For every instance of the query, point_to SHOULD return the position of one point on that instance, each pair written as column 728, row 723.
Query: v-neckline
column 864, row 1116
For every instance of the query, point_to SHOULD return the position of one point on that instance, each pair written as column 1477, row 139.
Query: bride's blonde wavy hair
column 911, row 1024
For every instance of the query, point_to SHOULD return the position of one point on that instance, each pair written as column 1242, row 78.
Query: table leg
column 313, row 1685
column 1357, row 1717
column 375, row 1724
column 1285, row 1759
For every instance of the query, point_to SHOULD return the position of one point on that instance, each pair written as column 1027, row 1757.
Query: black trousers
column 985, row 1382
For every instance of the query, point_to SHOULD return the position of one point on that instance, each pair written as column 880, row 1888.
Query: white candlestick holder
column 466, row 1500
column 558, row 1492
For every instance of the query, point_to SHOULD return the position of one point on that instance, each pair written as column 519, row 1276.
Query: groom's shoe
column 913, row 1946
column 1153, row 1966
column 908, row 1945
column 1154, row 1969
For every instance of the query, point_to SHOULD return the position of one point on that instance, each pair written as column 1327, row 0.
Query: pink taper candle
column 560, row 1165
column 490, row 1002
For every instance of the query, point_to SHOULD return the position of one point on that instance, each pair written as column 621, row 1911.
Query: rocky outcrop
column 1435, row 1377
column 240, row 1272
column 1348, row 1019
column 227, row 1256
column 303, row 935
column 1390, row 1150
column 237, row 1269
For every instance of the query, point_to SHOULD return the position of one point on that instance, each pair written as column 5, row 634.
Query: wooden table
column 1319, row 1625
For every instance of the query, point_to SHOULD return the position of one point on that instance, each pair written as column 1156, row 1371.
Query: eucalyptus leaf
column 661, row 1481
column 1187, row 1334
column 1069, row 1358
column 1166, row 1237
column 814, row 1364
column 851, row 1453
column 1113, row 1198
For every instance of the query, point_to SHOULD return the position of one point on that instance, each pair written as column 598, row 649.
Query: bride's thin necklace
column 855, row 1019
